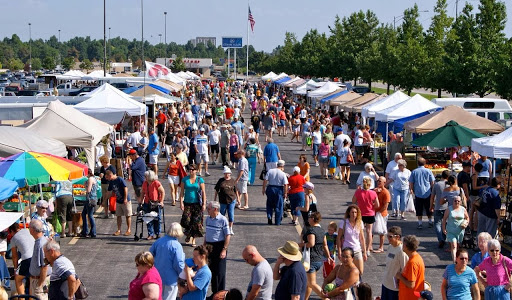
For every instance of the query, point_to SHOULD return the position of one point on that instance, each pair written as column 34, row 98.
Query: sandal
column 117, row 233
column 378, row 251
column 127, row 233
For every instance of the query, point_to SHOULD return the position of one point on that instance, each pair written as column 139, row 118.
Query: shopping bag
column 57, row 227
column 380, row 225
column 410, row 204
column 309, row 141
column 328, row 267
column 306, row 258
column 112, row 204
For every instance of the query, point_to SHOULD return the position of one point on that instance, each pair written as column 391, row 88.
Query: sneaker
column 317, row 164
column 214, row 163
column 207, row 174
column 403, row 218
column 394, row 215
column 231, row 230
column 337, row 177
column 420, row 226
column 269, row 221
column 430, row 224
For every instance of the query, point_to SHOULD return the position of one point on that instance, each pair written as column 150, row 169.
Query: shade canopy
column 269, row 76
column 108, row 100
column 438, row 119
column 327, row 88
column 450, row 135
column 282, row 80
column 497, row 146
column 333, row 95
column 359, row 103
column 412, row 106
column 295, row 81
column 7, row 188
column 395, row 98
column 344, row 98
column 9, row 218
column 17, row 139
column 70, row 126
column 147, row 90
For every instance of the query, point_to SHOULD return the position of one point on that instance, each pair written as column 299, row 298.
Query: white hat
column 280, row 163
column 227, row 170
column 296, row 169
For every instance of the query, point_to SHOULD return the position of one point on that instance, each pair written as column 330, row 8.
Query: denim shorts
column 315, row 266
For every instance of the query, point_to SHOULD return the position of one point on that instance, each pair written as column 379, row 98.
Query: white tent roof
column 282, row 75
column 109, row 104
column 70, row 126
column 312, row 85
column 159, row 99
column 71, row 75
column 174, row 78
column 183, row 75
column 98, row 74
column 395, row 98
column 325, row 89
column 410, row 107
column 193, row 75
column 301, row 90
column 496, row 146
column 17, row 139
column 271, row 75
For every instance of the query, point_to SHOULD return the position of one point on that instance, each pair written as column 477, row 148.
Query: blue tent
column 132, row 89
column 161, row 89
column 322, row 101
column 282, row 80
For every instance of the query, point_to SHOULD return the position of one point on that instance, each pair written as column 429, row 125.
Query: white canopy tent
column 8, row 218
column 70, row 126
column 194, row 76
column 313, row 85
column 282, row 75
column 327, row 88
column 157, row 99
column 184, row 75
column 95, row 75
column 496, row 146
column 394, row 99
column 71, row 75
column 16, row 139
column 410, row 107
column 110, row 105
column 271, row 75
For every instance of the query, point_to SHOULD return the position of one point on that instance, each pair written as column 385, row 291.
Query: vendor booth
column 344, row 98
column 496, row 146
column 17, row 139
column 370, row 110
column 269, row 76
column 70, row 126
column 358, row 107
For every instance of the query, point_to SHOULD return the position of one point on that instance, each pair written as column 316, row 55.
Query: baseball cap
column 296, row 169
column 427, row 295
column 132, row 152
column 202, row 129
column 280, row 163
column 339, row 130
column 227, row 170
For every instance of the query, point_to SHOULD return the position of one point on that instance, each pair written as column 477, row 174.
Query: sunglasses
column 463, row 258
column 392, row 235
column 43, row 207
column 494, row 250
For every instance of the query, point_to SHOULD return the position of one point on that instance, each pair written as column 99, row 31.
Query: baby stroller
column 146, row 217
column 469, row 240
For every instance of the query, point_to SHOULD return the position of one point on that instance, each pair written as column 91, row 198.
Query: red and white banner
column 156, row 70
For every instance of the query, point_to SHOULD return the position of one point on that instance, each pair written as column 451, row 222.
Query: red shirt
column 295, row 183
column 282, row 115
column 229, row 112
column 151, row 193
column 162, row 118
column 151, row 276
column 365, row 200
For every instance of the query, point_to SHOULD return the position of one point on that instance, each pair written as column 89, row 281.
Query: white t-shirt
column 358, row 138
column 392, row 165
column 317, row 137
column 303, row 114
column 400, row 179
column 237, row 113
column 134, row 139
column 396, row 259
column 338, row 141
column 201, row 142
column 214, row 136
column 189, row 116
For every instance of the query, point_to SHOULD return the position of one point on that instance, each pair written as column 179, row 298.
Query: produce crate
column 14, row 206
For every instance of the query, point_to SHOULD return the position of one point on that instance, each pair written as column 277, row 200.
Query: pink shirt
column 365, row 200
column 323, row 150
column 350, row 236
column 151, row 276
column 233, row 140
column 496, row 273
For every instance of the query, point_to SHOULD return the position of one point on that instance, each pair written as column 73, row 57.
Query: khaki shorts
column 123, row 210
column 39, row 291
column 358, row 255
column 242, row 186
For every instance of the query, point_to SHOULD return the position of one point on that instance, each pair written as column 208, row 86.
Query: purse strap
column 506, row 269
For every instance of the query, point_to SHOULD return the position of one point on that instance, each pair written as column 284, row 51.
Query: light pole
column 109, row 46
column 30, row 47
column 401, row 17
column 165, row 27
column 59, row 35
column 160, row 35
column 104, row 38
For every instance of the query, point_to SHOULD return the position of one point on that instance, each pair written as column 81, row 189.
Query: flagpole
column 247, row 61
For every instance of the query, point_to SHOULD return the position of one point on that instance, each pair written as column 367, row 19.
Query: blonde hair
column 175, row 230
column 359, row 218
column 367, row 182
column 145, row 258
column 333, row 225
column 104, row 159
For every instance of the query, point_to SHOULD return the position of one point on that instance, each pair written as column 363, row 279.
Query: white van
column 492, row 109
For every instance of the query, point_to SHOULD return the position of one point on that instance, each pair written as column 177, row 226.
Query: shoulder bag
column 506, row 273
column 263, row 172
column 81, row 291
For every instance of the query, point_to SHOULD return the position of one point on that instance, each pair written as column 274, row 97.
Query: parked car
column 27, row 93
column 361, row 89
column 13, row 88
column 85, row 89
column 4, row 82
column 66, row 88
column 251, row 73
column 120, row 85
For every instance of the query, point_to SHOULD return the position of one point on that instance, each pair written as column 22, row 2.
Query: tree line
column 469, row 54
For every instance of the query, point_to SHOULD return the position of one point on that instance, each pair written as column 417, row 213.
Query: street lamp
column 104, row 38
column 401, row 17
column 59, row 35
column 109, row 45
column 165, row 27
column 30, row 46
column 160, row 35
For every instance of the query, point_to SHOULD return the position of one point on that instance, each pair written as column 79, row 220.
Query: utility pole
column 30, row 46
column 456, row 9
column 165, row 28
column 104, row 38
column 59, row 35
column 160, row 35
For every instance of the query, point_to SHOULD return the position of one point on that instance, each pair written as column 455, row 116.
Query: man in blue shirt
column 271, row 154
column 292, row 276
column 154, row 150
column 489, row 209
column 118, row 188
column 136, row 174
column 421, row 183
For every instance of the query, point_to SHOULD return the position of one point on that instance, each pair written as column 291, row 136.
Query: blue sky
column 191, row 18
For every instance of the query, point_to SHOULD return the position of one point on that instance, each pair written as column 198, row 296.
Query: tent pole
column 386, row 154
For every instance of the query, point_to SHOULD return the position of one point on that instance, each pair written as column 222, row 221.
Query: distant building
column 204, row 40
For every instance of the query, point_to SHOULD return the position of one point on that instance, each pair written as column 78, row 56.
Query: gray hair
column 493, row 244
column 214, row 204
column 485, row 236
column 150, row 175
column 402, row 162
column 36, row 225
column 175, row 230
column 398, row 155
column 270, row 140
column 368, row 165
column 52, row 245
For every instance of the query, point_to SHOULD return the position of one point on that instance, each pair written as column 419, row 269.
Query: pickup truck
column 85, row 89
column 66, row 88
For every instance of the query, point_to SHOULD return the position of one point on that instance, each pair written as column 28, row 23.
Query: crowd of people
column 209, row 128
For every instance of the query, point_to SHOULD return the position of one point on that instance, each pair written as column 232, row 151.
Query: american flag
column 251, row 20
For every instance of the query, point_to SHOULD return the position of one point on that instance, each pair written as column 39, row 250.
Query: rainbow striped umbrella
column 32, row 168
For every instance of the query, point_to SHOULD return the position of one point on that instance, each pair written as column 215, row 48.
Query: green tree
column 504, row 72
column 388, row 55
column 36, row 64
column 435, row 43
column 68, row 63
column 310, row 54
column 15, row 64
column 286, row 60
column 490, row 20
column 178, row 64
column 411, row 51
column 49, row 63
column 86, row 65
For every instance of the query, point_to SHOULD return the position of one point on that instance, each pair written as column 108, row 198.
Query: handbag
column 350, row 158
column 81, row 291
column 380, row 226
column 464, row 224
column 328, row 267
column 410, row 204
column 306, row 258
column 506, row 273
column 112, row 203
column 478, row 201
column 263, row 173
column 309, row 141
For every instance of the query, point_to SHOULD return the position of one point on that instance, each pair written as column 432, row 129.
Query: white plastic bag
column 306, row 258
column 380, row 225
column 410, row 204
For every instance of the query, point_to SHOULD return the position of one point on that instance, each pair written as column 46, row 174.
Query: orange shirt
column 151, row 191
column 173, row 169
column 414, row 271
column 161, row 118
column 229, row 112
column 303, row 170
column 384, row 197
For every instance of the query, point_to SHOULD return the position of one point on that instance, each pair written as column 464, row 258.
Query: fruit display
column 436, row 166
column 78, row 186
column 79, row 192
